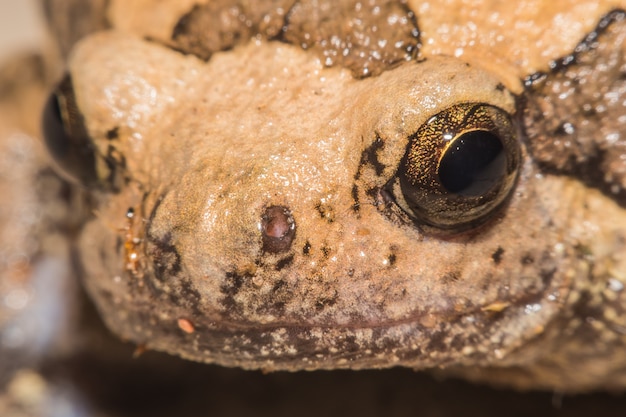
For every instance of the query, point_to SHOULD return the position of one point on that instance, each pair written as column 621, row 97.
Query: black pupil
column 473, row 164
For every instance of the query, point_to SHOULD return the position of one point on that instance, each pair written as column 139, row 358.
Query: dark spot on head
column 325, row 211
column 278, row 307
column 116, row 165
column 327, row 28
column 370, row 156
column 283, row 263
column 369, row 160
column 324, row 302
column 565, row 129
column 355, row 197
column 306, row 249
column 113, row 133
column 500, row 87
column 325, row 251
column 278, row 285
column 165, row 258
column 535, row 78
column 546, row 276
column 583, row 251
column 119, row 244
column 497, row 255
column 278, row 228
column 451, row 277
column 579, row 86
column 373, row 192
column 233, row 282
column 391, row 258
column 187, row 296
column 527, row 259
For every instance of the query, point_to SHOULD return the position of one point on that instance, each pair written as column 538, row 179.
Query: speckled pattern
column 333, row 296
column 175, row 248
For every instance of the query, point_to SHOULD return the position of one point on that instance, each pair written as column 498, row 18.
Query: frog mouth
column 422, row 340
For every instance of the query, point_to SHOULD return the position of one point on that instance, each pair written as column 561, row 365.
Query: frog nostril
column 278, row 228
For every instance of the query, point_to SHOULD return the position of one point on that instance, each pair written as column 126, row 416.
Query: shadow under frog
column 312, row 199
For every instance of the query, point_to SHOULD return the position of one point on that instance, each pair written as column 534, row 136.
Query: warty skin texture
column 532, row 298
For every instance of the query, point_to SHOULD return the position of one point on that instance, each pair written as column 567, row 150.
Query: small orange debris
column 186, row 326
column 140, row 350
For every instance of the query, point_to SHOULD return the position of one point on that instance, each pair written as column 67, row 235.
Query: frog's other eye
column 66, row 136
column 459, row 167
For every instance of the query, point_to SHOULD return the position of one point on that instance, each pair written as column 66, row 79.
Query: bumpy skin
column 264, row 235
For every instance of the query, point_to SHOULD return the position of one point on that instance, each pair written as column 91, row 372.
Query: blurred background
column 20, row 27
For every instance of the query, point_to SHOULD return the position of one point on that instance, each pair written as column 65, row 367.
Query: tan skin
column 275, row 219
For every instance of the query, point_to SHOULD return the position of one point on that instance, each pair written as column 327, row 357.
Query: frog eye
column 459, row 167
column 66, row 136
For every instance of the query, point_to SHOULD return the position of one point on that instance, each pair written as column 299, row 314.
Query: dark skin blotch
column 340, row 33
column 231, row 23
column 113, row 134
column 497, row 255
column 451, row 277
column 232, row 285
column 527, row 259
column 355, row 197
column 283, row 263
column 188, row 297
column 369, row 159
column 165, row 258
column 278, row 286
column 575, row 113
column 322, row 303
column 116, row 165
column 547, row 276
column 325, row 211
column 370, row 156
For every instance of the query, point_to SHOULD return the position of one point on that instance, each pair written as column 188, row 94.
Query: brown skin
column 342, row 275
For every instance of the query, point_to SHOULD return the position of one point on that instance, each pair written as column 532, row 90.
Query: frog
column 299, row 185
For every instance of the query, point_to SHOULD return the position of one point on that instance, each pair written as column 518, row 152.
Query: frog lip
column 417, row 341
column 551, row 291
column 530, row 301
